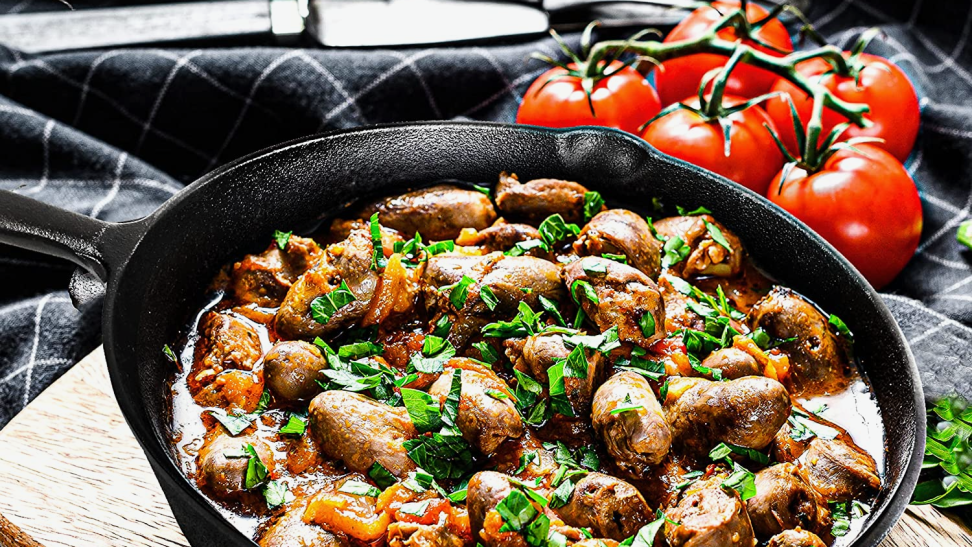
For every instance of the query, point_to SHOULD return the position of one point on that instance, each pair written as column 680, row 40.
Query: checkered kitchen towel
column 113, row 134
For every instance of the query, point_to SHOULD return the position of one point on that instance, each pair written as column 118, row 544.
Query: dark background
column 113, row 134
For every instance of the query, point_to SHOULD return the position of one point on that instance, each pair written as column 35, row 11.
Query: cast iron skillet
column 156, row 268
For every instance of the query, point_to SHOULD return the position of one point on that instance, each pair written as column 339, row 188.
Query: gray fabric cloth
column 113, row 134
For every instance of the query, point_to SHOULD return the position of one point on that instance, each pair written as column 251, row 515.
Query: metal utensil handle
column 162, row 23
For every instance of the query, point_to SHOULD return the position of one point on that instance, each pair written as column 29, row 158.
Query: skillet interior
column 235, row 209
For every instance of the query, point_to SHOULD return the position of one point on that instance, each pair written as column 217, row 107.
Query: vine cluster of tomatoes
column 822, row 133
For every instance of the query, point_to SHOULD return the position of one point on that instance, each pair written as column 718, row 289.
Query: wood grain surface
column 73, row 475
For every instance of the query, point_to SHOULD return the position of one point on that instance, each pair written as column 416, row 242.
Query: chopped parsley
column 558, row 393
column 497, row 394
column 841, row 327
column 488, row 298
column 378, row 259
column 723, row 450
column 324, row 307
column 526, row 323
column 169, row 354
column 487, row 352
column 686, row 213
column 802, row 428
column 382, row 477
column 443, row 456
column 550, row 307
column 742, row 481
column 615, row 257
column 422, row 409
column 296, row 425
column 586, row 289
column 435, row 353
column 647, row 324
column 674, row 251
column 417, row 508
column 595, row 269
column 256, row 471
column 645, row 537
column 716, row 234
column 442, row 327
column 688, row 479
column 653, row 370
column 359, row 488
column 554, row 229
column 282, row 239
column 459, row 291
column 593, row 203
column 626, row 406
column 275, row 493
column 523, row 247
column 562, row 494
column 843, row 513
column 526, row 459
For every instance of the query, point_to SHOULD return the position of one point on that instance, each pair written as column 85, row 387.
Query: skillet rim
column 875, row 528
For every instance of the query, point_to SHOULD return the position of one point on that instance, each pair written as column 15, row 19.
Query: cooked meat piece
column 707, row 256
column 709, row 516
column 289, row 530
column 542, row 351
column 483, row 493
column 222, row 465
column 636, row 438
column 503, row 236
column 263, row 279
column 734, row 363
column 291, row 369
column 785, row 448
column 796, row 538
column 607, row 505
column 785, row 500
column 536, row 200
column 677, row 313
column 232, row 390
column 225, row 342
column 438, row 213
column 625, row 295
column 506, row 277
column 360, row 431
column 485, row 422
column 818, row 363
column 619, row 231
column 348, row 261
column 410, row 534
column 839, row 471
column 745, row 412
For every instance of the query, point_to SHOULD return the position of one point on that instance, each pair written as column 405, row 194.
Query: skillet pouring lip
column 582, row 150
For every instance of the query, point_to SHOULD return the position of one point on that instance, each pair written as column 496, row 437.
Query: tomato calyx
column 812, row 153
column 581, row 67
column 712, row 108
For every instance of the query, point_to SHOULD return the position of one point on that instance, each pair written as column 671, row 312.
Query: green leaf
column 422, row 409
column 359, row 488
column 554, row 230
column 382, row 477
column 536, row 531
column 525, row 459
column 360, row 350
column 674, row 251
column 803, row 428
column 234, row 423
column 488, row 353
column 460, row 291
column 964, row 234
column 595, row 269
column 617, row 258
column 485, row 190
column 646, row 535
column 275, row 493
column 169, row 353
column 444, row 456
column 576, row 365
column 256, row 471
column 450, row 409
column 688, row 479
column 324, row 307
column 587, row 457
column 378, row 259
column 586, row 289
column 653, row 370
column 516, row 511
column 606, row 342
column 458, row 495
column 282, row 239
column 647, row 324
column 626, row 406
column 742, row 480
column 435, row 353
column 593, row 203
column 527, row 392
column 488, row 298
column 841, row 327
column 698, row 211
column 417, row 508
column 550, row 307
column 295, row 425
column 497, row 394
column 523, row 247
column 717, row 236
column 558, row 394
column 723, row 450
column 442, row 326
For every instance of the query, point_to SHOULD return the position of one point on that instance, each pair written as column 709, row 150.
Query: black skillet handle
column 98, row 247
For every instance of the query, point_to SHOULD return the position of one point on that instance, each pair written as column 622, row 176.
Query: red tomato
column 883, row 87
column 679, row 78
column 624, row 100
column 864, row 203
column 753, row 160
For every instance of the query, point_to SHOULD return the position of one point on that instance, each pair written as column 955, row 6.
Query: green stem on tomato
column 710, row 42
column 713, row 106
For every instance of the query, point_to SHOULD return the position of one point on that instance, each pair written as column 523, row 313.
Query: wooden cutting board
column 71, row 474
